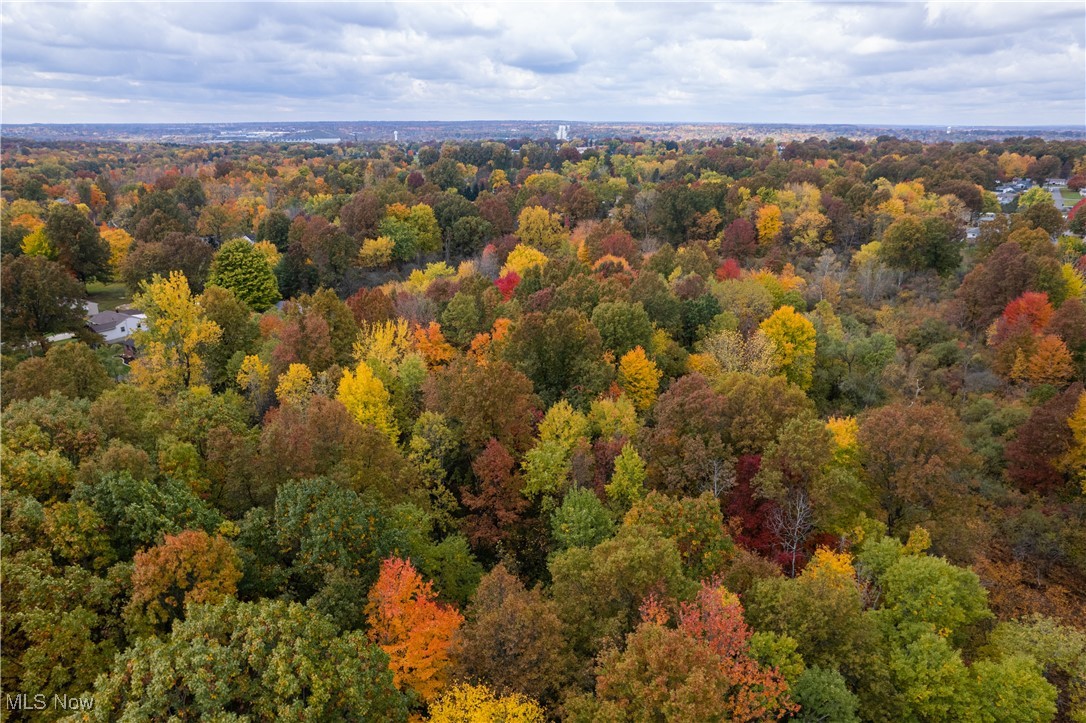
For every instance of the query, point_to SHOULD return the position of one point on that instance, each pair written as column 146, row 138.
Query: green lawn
column 108, row 296
column 1070, row 198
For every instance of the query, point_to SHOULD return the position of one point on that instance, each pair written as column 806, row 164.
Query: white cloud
column 959, row 63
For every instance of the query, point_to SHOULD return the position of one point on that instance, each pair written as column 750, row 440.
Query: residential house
column 116, row 326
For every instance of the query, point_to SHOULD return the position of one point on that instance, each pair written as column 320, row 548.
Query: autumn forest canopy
column 529, row 430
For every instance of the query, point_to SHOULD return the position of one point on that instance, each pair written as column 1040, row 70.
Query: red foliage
column 370, row 305
column 498, row 504
column 508, row 284
column 730, row 269
column 304, row 339
column 1069, row 324
column 750, row 512
column 716, row 617
column 1040, row 441
column 1076, row 209
column 740, row 239
column 1030, row 308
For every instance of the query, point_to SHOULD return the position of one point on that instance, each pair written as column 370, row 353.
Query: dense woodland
column 703, row 431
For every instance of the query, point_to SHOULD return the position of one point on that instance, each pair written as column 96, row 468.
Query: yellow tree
column 522, row 258
column 177, row 331
column 295, row 385
column 639, row 378
column 794, row 338
column 37, row 244
column 120, row 243
column 385, row 344
column 254, row 376
column 376, row 252
column 541, row 229
column 769, row 223
column 1074, row 461
column 467, row 703
column 367, row 400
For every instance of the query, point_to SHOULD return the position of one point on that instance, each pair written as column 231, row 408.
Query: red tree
column 497, row 503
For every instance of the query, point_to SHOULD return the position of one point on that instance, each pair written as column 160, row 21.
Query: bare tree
column 719, row 475
column 792, row 522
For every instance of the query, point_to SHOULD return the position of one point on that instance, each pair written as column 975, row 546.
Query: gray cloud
column 957, row 63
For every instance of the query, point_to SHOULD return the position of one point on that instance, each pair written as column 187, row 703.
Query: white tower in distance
column 396, row 136
column 563, row 133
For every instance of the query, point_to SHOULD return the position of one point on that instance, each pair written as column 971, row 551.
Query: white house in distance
column 116, row 326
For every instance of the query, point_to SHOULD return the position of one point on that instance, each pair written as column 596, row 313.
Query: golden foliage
column 639, row 378
column 367, row 400
column 295, row 385
column 478, row 704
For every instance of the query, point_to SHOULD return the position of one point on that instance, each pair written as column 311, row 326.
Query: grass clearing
column 108, row 296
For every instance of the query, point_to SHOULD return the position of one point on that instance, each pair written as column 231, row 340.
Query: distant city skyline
column 894, row 64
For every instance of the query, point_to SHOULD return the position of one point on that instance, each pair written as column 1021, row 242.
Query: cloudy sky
column 960, row 63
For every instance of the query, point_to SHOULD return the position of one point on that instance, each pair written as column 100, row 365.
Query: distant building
column 1061, row 182
column 563, row 133
column 116, row 326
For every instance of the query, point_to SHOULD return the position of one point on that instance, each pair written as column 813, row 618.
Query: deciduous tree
column 238, row 266
column 366, row 398
column 793, row 338
column 412, row 628
column 177, row 333
column 513, row 639
column 189, row 567
column 39, row 298
column 274, row 660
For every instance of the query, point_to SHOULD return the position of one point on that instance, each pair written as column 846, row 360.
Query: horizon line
column 552, row 120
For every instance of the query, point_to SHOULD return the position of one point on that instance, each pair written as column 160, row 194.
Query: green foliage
column 561, row 353
column 627, row 484
column 241, row 268
column 59, row 623
column 915, row 244
column 321, row 527
column 1059, row 649
column 823, row 696
column 139, row 513
column 696, row 526
column 39, row 298
column 929, row 595
column 581, row 520
column 452, row 567
column 75, row 239
column 547, row 469
column 271, row 660
column 599, row 590
column 622, row 326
